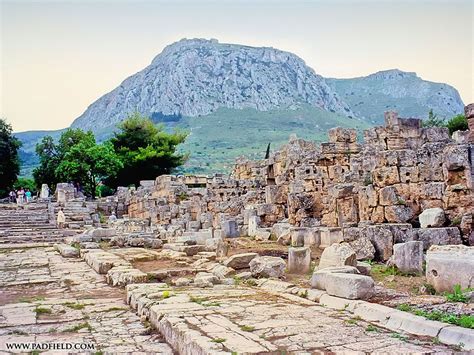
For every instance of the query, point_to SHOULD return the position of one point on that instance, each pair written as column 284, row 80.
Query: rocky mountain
column 235, row 99
column 196, row 77
column 369, row 96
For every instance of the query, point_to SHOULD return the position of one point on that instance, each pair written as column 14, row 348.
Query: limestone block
column 230, row 229
column 385, row 176
column 263, row 234
column 388, row 196
column 363, row 248
column 398, row 213
column 438, row 236
column 337, row 255
column 450, row 265
column 318, row 280
column 432, row 217
column 240, row 261
column 299, row 260
column 456, row 336
column 253, row 225
column 330, row 236
column 222, row 271
column 408, row 257
column 267, row 266
column 67, row 251
column 339, row 134
column 382, row 239
column 350, row 286
column 364, row 268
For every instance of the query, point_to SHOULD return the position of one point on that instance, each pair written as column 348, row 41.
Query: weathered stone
column 337, row 255
column 382, row 239
column 222, row 271
column 262, row 234
column 67, row 251
column 230, row 229
column 318, row 279
column 299, row 260
column 364, row 268
column 363, row 248
column 450, row 265
column 240, row 261
column 350, row 286
column 253, row 225
column 398, row 213
column 438, row 236
column 408, row 257
column 182, row 281
column 432, row 217
column 267, row 266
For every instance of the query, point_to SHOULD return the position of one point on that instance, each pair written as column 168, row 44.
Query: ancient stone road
column 45, row 297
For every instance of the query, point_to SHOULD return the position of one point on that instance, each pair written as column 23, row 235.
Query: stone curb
column 383, row 316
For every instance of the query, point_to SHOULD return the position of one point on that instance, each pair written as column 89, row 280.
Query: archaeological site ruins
column 364, row 243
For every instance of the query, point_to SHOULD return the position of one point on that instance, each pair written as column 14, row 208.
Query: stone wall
column 399, row 171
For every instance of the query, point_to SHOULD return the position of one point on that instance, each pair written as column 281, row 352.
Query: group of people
column 20, row 196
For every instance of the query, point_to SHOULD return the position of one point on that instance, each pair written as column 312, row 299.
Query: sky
column 58, row 57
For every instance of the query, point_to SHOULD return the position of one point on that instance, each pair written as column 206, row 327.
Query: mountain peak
column 195, row 77
column 392, row 74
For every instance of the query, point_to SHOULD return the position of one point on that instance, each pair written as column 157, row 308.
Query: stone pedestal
column 299, row 260
column 44, row 191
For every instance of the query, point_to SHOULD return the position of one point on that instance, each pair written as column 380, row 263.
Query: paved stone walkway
column 237, row 319
column 47, row 298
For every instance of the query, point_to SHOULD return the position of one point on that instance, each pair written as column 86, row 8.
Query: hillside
column 196, row 77
column 406, row 93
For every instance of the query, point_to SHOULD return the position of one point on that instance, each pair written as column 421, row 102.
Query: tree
column 457, row 123
column 89, row 163
column 51, row 154
column 9, row 159
column 146, row 150
column 26, row 183
column 433, row 121
column 49, row 158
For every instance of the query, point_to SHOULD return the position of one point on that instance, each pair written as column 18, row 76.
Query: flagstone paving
column 47, row 298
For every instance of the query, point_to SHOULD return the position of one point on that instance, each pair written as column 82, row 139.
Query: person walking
column 12, row 196
column 61, row 219
column 20, row 199
column 28, row 195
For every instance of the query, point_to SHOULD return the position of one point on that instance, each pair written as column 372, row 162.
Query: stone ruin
column 389, row 199
column 257, row 261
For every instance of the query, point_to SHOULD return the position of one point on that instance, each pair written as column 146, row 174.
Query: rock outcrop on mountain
column 400, row 91
column 196, row 77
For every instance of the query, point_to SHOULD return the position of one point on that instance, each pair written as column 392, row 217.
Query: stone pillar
column 44, row 191
column 253, row 225
column 299, row 260
column 469, row 112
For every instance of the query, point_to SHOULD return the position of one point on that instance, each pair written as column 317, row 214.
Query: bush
column 457, row 123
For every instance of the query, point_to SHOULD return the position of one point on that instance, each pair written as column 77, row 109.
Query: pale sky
column 57, row 57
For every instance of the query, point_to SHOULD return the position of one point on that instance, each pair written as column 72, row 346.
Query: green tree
column 49, row 158
column 89, row 163
column 146, row 150
column 26, row 183
column 51, row 154
column 457, row 123
column 433, row 121
column 9, row 159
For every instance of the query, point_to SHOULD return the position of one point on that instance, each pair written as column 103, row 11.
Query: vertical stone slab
column 299, row 260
